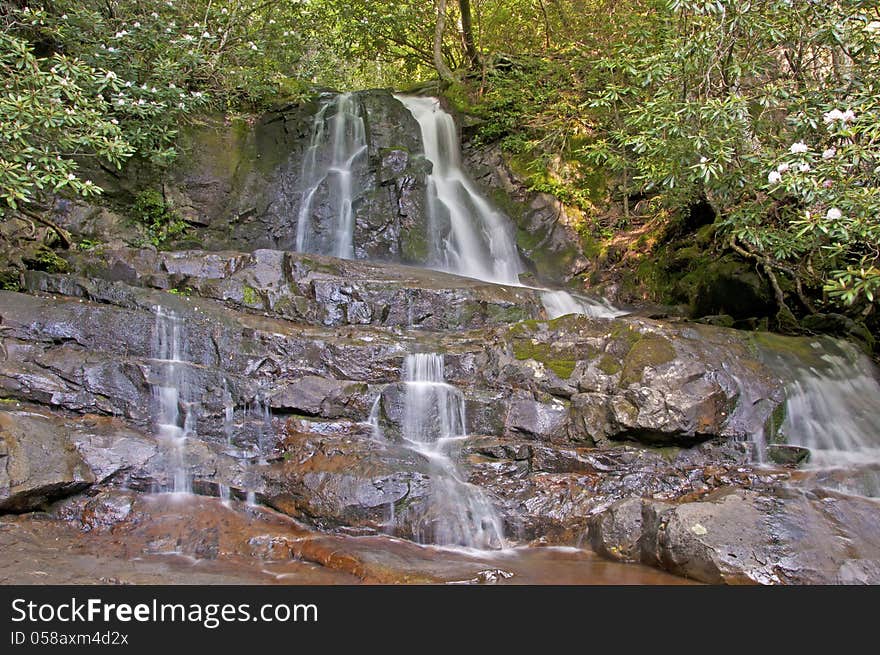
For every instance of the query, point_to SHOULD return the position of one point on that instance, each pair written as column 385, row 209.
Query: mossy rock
column 788, row 455
column 728, row 286
column 543, row 353
column 561, row 363
column 804, row 350
column 415, row 247
column 773, row 425
column 610, row 365
column 646, row 352
column 250, row 296
column 45, row 259
column 9, row 280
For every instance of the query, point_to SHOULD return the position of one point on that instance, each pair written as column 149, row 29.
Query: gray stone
column 37, row 462
column 616, row 532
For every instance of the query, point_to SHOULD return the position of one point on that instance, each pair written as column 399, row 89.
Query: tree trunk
column 443, row 70
column 546, row 24
column 467, row 34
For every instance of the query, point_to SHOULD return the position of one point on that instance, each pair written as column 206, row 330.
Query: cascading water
column 833, row 408
column 559, row 303
column 331, row 165
column 171, row 394
column 434, row 425
column 259, row 415
column 470, row 237
column 228, row 430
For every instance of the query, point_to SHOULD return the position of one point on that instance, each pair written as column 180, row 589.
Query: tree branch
column 63, row 234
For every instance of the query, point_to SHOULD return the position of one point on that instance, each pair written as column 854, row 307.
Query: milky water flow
column 479, row 242
column 433, row 425
column 223, row 490
column 175, row 409
column 833, row 408
column 338, row 143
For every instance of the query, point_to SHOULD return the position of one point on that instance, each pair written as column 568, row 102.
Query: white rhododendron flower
column 783, row 167
column 834, row 214
column 774, row 177
column 829, row 154
column 837, row 115
column 798, row 148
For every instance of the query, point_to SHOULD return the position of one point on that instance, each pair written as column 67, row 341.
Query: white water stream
column 331, row 164
column 469, row 236
column 175, row 410
column 434, row 425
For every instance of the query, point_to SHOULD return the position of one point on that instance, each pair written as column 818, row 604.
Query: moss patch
column 791, row 348
column 249, row 295
column 543, row 353
column 609, row 365
column 46, row 259
column 647, row 352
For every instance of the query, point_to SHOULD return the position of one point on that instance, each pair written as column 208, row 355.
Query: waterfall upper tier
column 334, row 164
column 468, row 235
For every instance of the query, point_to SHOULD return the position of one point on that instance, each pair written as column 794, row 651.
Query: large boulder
column 641, row 380
column 740, row 536
column 38, row 463
column 347, row 478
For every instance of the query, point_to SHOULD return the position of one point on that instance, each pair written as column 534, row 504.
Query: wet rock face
column 307, row 288
column 349, row 479
column 544, row 232
column 623, row 433
column 736, row 536
column 36, row 463
column 242, row 182
column 570, row 381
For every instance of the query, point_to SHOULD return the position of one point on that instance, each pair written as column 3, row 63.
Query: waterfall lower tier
column 433, row 425
column 832, row 408
column 330, row 169
column 175, row 409
column 176, row 406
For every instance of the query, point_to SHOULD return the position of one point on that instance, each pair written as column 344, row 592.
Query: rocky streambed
column 275, row 388
column 633, row 436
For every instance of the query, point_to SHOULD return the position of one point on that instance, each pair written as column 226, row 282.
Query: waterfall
column 470, row 237
column 261, row 416
column 175, row 410
column 330, row 167
column 832, row 408
column 559, row 303
column 433, row 425
column 223, row 490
